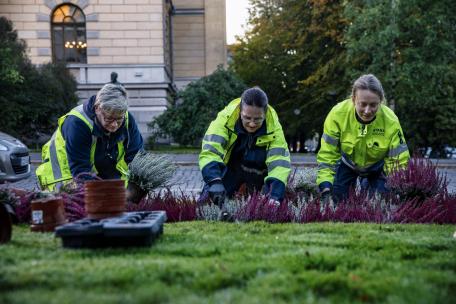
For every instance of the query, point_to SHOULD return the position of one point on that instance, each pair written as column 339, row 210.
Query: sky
column 236, row 18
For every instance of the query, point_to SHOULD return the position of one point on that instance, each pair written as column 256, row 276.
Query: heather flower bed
column 256, row 262
column 419, row 195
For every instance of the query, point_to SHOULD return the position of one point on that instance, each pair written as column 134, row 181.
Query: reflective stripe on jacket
column 55, row 170
column 360, row 145
column 220, row 138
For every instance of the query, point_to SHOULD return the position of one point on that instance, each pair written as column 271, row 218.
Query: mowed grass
column 213, row 262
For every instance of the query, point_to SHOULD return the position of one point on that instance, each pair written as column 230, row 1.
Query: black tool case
column 131, row 229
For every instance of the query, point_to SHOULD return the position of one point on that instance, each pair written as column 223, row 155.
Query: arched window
column 69, row 34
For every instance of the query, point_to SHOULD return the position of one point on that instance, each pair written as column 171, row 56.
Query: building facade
column 155, row 46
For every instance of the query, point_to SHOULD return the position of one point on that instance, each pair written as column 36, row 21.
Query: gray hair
column 112, row 98
column 371, row 83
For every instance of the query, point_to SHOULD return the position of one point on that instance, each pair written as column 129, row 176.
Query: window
column 69, row 34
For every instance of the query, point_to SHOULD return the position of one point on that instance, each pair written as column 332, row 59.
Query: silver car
column 14, row 159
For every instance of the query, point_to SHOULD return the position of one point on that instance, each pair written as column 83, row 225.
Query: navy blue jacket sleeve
column 275, row 188
column 78, row 140
column 213, row 171
column 134, row 141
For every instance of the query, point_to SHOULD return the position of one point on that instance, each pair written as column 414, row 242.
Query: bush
column 32, row 98
column 196, row 106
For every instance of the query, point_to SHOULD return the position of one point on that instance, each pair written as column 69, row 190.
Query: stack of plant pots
column 104, row 198
column 47, row 213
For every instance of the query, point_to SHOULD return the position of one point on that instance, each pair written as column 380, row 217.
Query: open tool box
column 130, row 229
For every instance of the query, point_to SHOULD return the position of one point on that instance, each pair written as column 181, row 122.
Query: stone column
column 215, row 33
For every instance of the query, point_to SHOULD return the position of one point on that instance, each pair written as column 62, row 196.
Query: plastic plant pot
column 47, row 213
column 104, row 198
column 135, row 193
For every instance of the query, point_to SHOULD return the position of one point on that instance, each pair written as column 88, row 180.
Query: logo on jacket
column 378, row 131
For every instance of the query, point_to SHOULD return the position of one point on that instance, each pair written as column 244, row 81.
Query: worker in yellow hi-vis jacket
column 245, row 144
column 362, row 137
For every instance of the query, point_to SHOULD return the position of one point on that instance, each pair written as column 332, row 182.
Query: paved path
column 188, row 177
column 296, row 159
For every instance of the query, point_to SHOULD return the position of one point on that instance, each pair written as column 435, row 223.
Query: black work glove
column 217, row 193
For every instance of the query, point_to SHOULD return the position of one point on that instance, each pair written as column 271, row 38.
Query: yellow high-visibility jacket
column 220, row 138
column 360, row 145
column 55, row 170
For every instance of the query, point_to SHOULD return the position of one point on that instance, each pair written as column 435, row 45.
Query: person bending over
column 362, row 137
column 99, row 136
column 245, row 144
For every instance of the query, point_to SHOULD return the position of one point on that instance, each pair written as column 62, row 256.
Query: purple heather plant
column 311, row 211
column 359, row 206
column 23, row 207
column 440, row 209
column 419, row 196
column 258, row 207
column 420, row 179
column 73, row 199
column 74, row 206
column 178, row 208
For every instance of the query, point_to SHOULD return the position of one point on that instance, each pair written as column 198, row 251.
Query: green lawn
column 213, row 262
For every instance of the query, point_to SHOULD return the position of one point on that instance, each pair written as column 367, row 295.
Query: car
column 14, row 159
column 446, row 151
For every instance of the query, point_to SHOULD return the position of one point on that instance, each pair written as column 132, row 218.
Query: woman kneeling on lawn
column 362, row 137
column 99, row 136
column 245, row 145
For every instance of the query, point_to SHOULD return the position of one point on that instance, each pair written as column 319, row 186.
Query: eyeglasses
column 255, row 120
column 110, row 120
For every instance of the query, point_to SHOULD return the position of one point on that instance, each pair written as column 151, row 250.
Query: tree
column 189, row 115
column 411, row 47
column 32, row 97
column 295, row 52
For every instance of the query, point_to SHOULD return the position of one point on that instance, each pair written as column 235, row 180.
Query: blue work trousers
column 233, row 179
column 373, row 180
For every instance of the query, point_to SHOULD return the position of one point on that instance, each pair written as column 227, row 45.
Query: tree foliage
column 32, row 98
column 306, row 54
column 294, row 51
column 411, row 47
column 189, row 115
